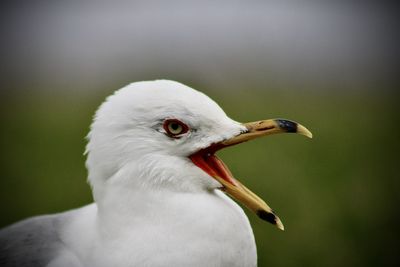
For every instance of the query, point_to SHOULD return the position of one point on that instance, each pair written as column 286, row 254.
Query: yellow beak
column 216, row 168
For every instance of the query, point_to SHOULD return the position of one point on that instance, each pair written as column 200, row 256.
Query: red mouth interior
column 211, row 164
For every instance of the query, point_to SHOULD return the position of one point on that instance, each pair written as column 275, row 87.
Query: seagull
column 161, row 195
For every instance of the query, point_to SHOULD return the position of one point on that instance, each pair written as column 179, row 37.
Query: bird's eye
column 174, row 128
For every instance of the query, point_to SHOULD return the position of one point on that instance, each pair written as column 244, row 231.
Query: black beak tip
column 287, row 126
column 267, row 216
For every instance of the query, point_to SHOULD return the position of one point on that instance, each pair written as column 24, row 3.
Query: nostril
column 265, row 128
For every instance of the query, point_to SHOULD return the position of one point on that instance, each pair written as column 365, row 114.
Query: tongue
column 214, row 166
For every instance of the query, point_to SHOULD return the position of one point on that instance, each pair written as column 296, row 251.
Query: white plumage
column 153, row 206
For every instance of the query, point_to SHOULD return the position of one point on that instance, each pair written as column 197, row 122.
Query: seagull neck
column 120, row 206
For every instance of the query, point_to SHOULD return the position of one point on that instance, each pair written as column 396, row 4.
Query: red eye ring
column 174, row 128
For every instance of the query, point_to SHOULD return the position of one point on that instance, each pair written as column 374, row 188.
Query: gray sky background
column 86, row 45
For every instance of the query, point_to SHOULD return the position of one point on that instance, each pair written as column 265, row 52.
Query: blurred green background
column 336, row 194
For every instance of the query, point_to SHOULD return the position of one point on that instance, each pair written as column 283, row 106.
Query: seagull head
column 163, row 135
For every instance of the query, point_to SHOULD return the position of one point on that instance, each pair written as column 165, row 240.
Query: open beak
column 216, row 168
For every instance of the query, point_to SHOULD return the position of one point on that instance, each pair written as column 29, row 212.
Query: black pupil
column 174, row 126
